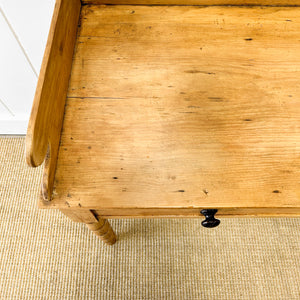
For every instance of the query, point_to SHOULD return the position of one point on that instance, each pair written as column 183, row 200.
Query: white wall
column 24, row 26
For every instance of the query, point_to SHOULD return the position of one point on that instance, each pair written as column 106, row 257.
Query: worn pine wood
column 96, row 224
column 48, row 107
column 195, row 212
column 196, row 2
column 103, row 230
column 86, row 216
column 80, row 215
column 182, row 108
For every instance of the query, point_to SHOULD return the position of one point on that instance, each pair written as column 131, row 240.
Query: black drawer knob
column 210, row 220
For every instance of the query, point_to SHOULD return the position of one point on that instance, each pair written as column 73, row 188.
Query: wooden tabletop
column 182, row 108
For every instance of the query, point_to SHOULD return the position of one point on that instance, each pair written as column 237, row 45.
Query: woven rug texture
column 44, row 255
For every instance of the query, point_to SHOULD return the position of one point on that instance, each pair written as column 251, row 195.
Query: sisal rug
column 43, row 255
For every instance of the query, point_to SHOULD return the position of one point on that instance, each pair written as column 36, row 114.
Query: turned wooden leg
column 98, row 225
column 103, row 229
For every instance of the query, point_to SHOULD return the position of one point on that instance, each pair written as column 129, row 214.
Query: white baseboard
column 14, row 125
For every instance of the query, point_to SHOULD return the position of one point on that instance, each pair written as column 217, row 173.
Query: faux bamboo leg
column 103, row 229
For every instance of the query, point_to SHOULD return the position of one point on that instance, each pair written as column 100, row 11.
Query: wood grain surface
column 80, row 215
column 182, row 107
column 196, row 2
column 48, row 107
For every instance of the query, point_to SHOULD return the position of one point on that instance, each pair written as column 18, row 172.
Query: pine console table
column 169, row 108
